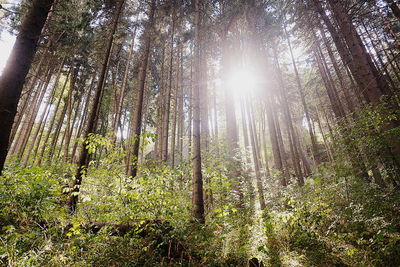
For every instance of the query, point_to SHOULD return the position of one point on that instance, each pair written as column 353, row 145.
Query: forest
column 200, row 133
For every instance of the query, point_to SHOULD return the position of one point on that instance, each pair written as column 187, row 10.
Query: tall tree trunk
column 40, row 128
column 70, row 120
column 175, row 112
column 365, row 72
column 256, row 158
column 17, row 67
column 25, row 110
column 181, row 111
column 359, row 167
column 314, row 146
column 137, row 114
column 83, row 118
column 160, row 110
column 198, row 198
column 30, row 85
column 31, row 116
column 205, row 131
column 190, row 105
column 338, row 72
column 83, row 159
column 293, row 142
column 120, row 100
column 53, row 118
column 59, row 124
column 167, row 103
column 247, row 155
column 276, row 149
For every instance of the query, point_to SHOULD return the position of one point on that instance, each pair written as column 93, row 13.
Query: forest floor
column 324, row 223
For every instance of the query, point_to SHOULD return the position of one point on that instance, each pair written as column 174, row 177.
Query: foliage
column 36, row 230
column 335, row 221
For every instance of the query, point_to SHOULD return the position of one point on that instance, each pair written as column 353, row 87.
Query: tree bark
column 17, row 67
column 276, row 150
column 314, row 145
column 365, row 72
column 167, row 103
column 40, row 128
column 53, row 118
column 137, row 114
column 256, row 158
column 120, row 100
column 198, row 198
column 83, row 159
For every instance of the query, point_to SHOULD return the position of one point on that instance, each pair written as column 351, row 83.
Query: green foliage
column 334, row 221
column 375, row 132
column 29, row 194
column 36, row 230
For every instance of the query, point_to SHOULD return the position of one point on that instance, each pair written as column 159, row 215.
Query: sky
column 6, row 43
column 6, row 39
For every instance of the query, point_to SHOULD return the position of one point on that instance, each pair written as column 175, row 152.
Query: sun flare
column 243, row 80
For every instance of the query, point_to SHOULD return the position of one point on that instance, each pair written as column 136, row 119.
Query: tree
column 13, row 78
column 198, row 201
column 83, row 160
column 394, row 7
column 138, row 112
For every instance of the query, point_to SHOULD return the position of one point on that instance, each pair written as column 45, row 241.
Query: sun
column 243, row 81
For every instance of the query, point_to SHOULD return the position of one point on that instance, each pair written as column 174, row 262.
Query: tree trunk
column 256, row 158
column 53, row 119
column 293, row 143
column 30, row 84
column 167, row 103
column 120, row 101
column 137, row 114
column 31, row 116
column 273, row 135
column 354, row 154
column 160, row 110
column 338, row 72
column 17, row 67
column 181, row 111
column 247, row 155
column 83, row 159
column 198, row 198
column 175, row 112
column 40, row 128
column 314, row 145
column 83, row 118
column 367, row 75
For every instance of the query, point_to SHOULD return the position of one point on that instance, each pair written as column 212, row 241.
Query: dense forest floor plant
column 333, row 220
column 154, row 208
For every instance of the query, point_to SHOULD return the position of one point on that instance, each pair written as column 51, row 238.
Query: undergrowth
column 334, row 220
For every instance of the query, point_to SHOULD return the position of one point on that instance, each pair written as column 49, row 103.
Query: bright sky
column 6, row 44
column 6, row 39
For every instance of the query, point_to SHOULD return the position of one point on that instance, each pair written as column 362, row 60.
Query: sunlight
column 242, row 81
column 6, row 44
